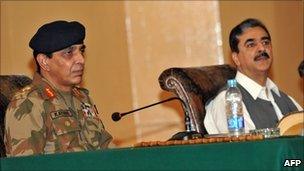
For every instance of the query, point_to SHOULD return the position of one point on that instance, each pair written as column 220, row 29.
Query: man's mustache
column 261, row 55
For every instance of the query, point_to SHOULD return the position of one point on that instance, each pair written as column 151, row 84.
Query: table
column 268, row 154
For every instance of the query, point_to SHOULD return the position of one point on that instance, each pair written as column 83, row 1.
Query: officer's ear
column 235, row 58
column 43, row 61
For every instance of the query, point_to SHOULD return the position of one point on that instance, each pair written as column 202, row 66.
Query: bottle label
column 235, row 122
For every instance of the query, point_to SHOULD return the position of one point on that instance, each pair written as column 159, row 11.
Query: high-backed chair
column 9, row 84
column 195, row 86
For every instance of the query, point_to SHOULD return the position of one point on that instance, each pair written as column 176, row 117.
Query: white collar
column 253, row 87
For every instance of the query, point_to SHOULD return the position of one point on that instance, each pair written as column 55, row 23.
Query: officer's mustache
column 261, row 55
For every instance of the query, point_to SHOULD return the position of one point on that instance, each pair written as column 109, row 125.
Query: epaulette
column 24, row 92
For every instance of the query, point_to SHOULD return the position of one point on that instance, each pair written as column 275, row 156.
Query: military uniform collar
column 44, row 87
column 78, row 94
column 48, row 90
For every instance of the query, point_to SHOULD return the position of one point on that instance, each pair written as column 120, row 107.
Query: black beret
column 57, row 35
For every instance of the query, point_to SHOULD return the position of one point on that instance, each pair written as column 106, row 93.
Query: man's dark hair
column 35, row 53
column 240, row 28
column 301, row 69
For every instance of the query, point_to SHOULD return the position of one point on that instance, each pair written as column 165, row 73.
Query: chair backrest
column 195, row 86
column 9, row 84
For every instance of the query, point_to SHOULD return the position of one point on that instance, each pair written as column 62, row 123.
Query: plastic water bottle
column 234, row 110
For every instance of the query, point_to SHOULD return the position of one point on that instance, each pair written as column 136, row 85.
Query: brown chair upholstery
column 195, row 86
column 9, row 84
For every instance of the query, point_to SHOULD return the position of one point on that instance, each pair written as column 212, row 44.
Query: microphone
column 188, row 134
column 116, row 116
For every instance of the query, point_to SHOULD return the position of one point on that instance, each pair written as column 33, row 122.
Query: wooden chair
column 195, row 86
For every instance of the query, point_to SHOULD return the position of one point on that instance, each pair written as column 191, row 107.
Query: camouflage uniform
column 40, row 121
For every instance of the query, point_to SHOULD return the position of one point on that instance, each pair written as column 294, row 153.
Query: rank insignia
column 49, row 92
column 77, row 92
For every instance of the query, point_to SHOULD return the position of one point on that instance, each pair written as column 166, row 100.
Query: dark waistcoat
column 262, row 112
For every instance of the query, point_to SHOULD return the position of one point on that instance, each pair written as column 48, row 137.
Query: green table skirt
column 268, row 154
